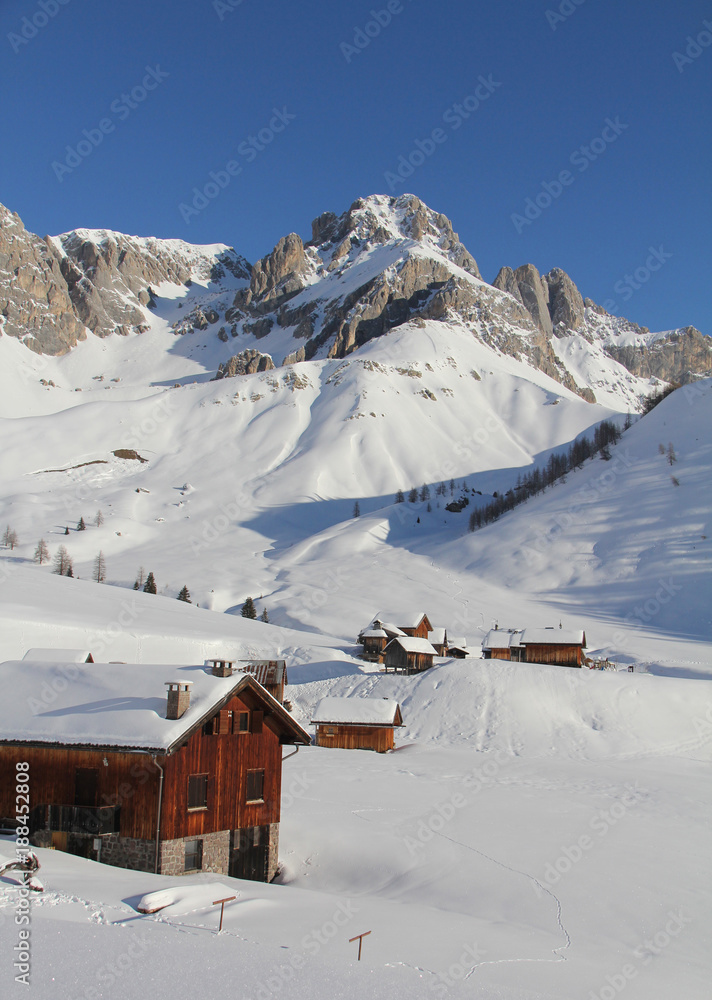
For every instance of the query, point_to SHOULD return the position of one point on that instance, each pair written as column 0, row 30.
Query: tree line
column 557, row 467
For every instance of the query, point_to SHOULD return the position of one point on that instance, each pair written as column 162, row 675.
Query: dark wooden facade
column 352, row 737
column 77, row 793
column 397, row 659
column 373, row 646
column 563, row 656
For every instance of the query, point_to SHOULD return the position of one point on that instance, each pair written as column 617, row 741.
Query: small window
column 241, row 722
column 193, row 855
column 255, row 786
column 330, row 731
column 198, row 791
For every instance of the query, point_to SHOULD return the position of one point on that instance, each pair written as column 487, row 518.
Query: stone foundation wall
column 216, row 853
column 128, row 852
column 273, row 862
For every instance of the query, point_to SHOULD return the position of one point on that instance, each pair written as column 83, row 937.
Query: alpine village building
column 184, row 781
column 563, row 647
column 357, row 723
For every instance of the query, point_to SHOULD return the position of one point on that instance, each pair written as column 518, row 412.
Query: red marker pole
column 359, row 938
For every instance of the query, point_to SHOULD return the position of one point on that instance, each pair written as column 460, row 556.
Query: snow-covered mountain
column 383, row 263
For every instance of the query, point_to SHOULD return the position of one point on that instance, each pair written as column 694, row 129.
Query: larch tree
column 399, row 497
column 413, row 495
column 9, row 538
column 99, row 573
column 264, row 617
column 99, row 519
column 62, row 561
column 41, row 552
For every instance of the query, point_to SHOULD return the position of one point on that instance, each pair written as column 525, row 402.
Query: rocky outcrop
column 277, row 277
column 246, row 363
column 54, row 290
column 35, row 304
column 681, row 356
column 566, row 307
column 552, row 300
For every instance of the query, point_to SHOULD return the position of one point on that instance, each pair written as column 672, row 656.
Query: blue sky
column 523, row 95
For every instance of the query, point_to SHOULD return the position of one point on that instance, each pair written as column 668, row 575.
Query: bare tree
column 99, row 519
column 62, row 561
column 671, row 456
column 41, row 552
column 9, row 537
column 99, row 573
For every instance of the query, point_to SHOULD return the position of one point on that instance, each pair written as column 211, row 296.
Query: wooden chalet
column 457, row 647
column 536, row 645
column 408, row 655
column 357, row 723
column 412, row 623
column 184, row 781
column 438, row 640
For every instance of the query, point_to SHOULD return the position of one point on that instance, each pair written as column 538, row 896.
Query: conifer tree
column 413, row 495
column 248, row 609
column 264, row 616
column 99, row 574
column 399, row 497
column 185, row 595
column 81, row 526
column 70, row 570
column 62, row 561
column 424, row 492
column 357, row 509
column 150, row 585
column 41, row 552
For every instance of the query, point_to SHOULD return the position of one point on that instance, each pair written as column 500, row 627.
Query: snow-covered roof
column 266, row 671
column 374, row 633
column 414, row 644
column 437, row 636
column 404, row 619
column 457, row 642
column 501, row 638
column 553, row 636
column 64, row 655
column 115, row 704
column 358, row 711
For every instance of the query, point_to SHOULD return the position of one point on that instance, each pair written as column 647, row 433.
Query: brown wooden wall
column 379, row 738
column 567, row 656
column 131, row 780
column 499, row 654
column 226, row 760
column 397, row 659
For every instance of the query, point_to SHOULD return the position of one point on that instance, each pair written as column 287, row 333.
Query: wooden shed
column 457, row 648
column 409, row 655
column 413, row 623
column 357, row 723
column 183, row 780
column 536, row 645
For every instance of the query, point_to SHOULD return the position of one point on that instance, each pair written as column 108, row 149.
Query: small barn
column 409, row 655
column 357, row 723
column 413, row 623
column 438, row 640
column 457, row 647
column 374, row 642
column 553, row 645
column 536, row 645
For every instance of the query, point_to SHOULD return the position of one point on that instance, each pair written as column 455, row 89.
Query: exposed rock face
column 35, row 304
column 681, row 356
column 527, row 285
column 53, row 291
column 566, row 306
column 247, row 363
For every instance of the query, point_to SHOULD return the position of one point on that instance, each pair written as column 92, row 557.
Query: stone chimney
column 178, row 698
column 221, row 668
